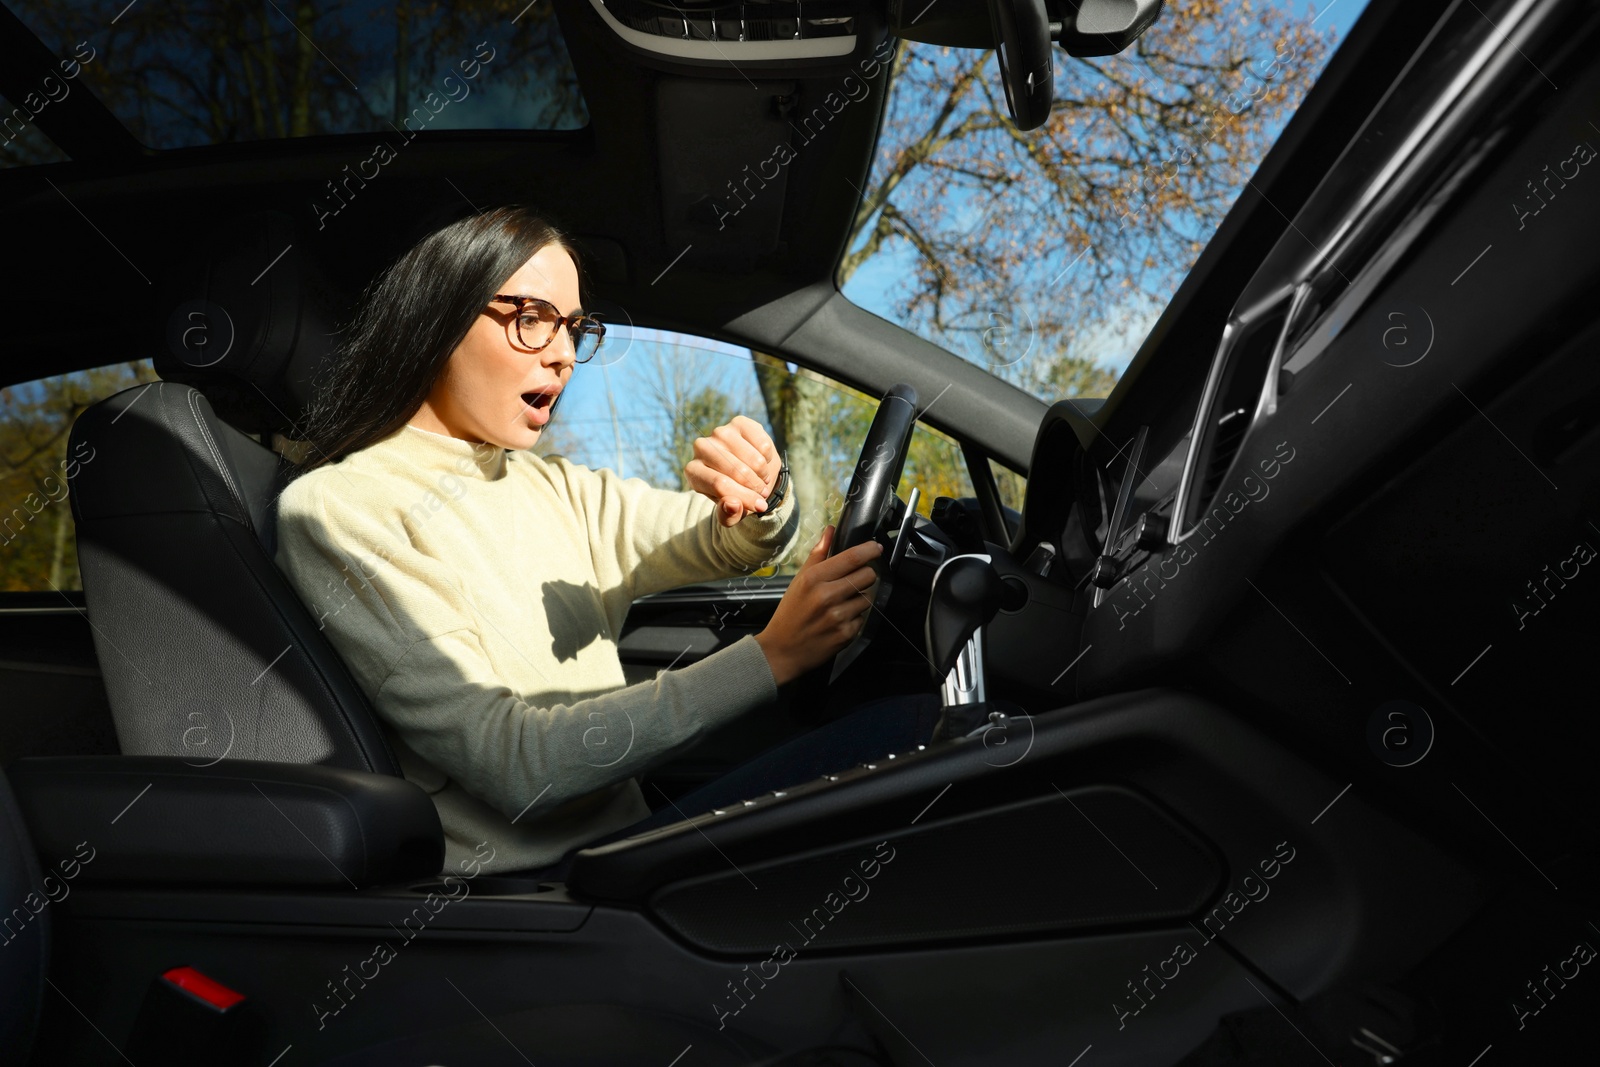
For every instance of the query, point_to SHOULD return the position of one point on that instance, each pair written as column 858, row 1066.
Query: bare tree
column 1024, row 251
column 687, row 402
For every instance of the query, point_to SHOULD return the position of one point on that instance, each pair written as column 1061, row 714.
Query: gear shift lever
column 966, row 594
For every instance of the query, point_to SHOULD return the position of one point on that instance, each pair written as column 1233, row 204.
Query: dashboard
column 1388, row 490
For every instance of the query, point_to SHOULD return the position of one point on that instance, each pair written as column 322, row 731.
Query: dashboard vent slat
column 1230, row 433
column 1234, row 390
column 733, row 20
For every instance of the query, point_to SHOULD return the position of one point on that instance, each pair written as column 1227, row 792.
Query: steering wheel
column 877, row 473
column 872, row 486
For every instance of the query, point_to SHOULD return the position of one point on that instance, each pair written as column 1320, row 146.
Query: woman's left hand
column 737, row 467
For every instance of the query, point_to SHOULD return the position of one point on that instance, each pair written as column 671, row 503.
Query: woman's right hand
column 823, row 609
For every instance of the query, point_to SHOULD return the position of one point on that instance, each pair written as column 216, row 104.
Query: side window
column 935, row 465
column 1013, row 486
column 639, row 405
column 38, row 550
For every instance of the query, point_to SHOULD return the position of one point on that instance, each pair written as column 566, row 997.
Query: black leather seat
column 209, row 654
column 206, row 650
column 24, row 930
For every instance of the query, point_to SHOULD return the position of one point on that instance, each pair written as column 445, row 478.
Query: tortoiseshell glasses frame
column 537, row 321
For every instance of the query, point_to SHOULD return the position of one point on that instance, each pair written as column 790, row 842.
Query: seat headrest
column 251, row 322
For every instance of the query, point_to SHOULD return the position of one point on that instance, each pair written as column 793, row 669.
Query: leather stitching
column 216, row 457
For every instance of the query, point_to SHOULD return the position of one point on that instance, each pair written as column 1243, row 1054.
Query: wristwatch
column 780, row 488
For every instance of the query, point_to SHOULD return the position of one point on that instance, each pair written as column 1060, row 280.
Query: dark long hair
column 410, row 321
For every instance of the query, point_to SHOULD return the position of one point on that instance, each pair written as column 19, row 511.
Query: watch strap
column 780, row 488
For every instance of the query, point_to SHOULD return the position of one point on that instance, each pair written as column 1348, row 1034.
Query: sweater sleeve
column 523, row 757
column 646, row 540
column 415, row 642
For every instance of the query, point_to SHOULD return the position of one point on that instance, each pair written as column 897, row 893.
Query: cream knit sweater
column 477, row 593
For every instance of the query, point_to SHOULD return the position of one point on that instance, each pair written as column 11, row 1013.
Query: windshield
column 1047, row 256
column 199, row 72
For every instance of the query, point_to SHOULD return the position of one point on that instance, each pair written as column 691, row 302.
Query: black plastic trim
column 159, row 819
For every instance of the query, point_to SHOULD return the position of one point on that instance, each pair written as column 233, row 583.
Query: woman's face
column 494, row 390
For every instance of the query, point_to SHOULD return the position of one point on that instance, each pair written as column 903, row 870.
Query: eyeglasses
column 538, row 320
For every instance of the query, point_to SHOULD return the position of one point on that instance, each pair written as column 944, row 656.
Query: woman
column 476, row 590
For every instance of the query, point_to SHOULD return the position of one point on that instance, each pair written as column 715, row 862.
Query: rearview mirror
column 1105, row 27
column 1022, row 31
column 1022, row 44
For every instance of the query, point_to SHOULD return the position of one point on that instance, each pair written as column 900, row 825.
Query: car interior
column 1347, row 747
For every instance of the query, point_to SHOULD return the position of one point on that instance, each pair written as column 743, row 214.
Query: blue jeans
column 870, row 732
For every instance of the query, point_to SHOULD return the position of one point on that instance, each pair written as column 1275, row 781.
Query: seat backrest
column 206, row 650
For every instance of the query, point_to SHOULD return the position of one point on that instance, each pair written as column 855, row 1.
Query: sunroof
column 198, row 72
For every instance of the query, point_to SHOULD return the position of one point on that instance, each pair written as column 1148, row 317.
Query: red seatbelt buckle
column 189, row 1019
column 207, row 991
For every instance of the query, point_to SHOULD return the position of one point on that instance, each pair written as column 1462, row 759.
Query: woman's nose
column 559, row 352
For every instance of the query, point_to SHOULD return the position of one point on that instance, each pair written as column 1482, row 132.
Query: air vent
column 1231, row 427
column 1238, row 391
column 754, row 20
column 728, row 31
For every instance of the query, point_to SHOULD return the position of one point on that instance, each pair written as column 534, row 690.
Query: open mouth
column 540, row 400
